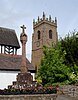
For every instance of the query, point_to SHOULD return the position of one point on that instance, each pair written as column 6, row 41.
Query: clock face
column 38, row 43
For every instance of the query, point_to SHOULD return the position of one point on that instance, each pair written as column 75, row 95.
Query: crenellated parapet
column 44, row 19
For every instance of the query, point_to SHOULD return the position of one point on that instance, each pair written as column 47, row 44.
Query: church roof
column 12, row 63
column 8, row 37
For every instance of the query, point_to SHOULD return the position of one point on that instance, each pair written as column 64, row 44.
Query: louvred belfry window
column 39, row 34
column 50, row 34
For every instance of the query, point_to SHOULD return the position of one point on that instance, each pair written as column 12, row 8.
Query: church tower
column 44, row 33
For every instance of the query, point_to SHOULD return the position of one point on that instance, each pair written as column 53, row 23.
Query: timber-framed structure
column 9, row 44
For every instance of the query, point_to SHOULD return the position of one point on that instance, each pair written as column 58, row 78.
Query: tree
column 52, row 69
column 60, row 63
column 70, row 45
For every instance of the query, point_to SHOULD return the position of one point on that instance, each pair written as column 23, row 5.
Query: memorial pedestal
column 24, row 80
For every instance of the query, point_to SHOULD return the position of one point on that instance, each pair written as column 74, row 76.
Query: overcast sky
column 14, row 13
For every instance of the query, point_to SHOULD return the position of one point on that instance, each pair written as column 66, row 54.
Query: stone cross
column 23, row 28
column 23, row 39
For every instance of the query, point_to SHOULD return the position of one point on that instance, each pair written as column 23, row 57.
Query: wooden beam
column 1, row 48
column 15, row 51
column 4, row 49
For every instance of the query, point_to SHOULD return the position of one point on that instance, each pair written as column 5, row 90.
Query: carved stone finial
column 23, row 28
column 55, row 20
column 49, row 17
column 38, row 18
column 43, row 15
column 33, row 21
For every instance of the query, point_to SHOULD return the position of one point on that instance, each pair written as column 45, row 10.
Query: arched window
column 50, row 34
column 39, row 34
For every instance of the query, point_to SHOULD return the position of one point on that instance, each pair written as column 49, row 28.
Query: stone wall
column 70, row 90
column 29, row 97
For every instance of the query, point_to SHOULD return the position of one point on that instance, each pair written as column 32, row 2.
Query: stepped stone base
column 24, row 80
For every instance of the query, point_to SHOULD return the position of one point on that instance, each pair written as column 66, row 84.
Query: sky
column 14, row 13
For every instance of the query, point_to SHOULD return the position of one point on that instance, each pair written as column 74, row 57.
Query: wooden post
column 1, row 48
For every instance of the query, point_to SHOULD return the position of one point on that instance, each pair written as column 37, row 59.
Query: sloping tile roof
column 12, row 63
column 8, row 37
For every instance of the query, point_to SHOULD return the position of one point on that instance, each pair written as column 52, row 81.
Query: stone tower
column 45, row 33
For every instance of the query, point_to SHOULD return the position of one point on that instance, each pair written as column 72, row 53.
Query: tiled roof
column 12, row 63
column 8, row 37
